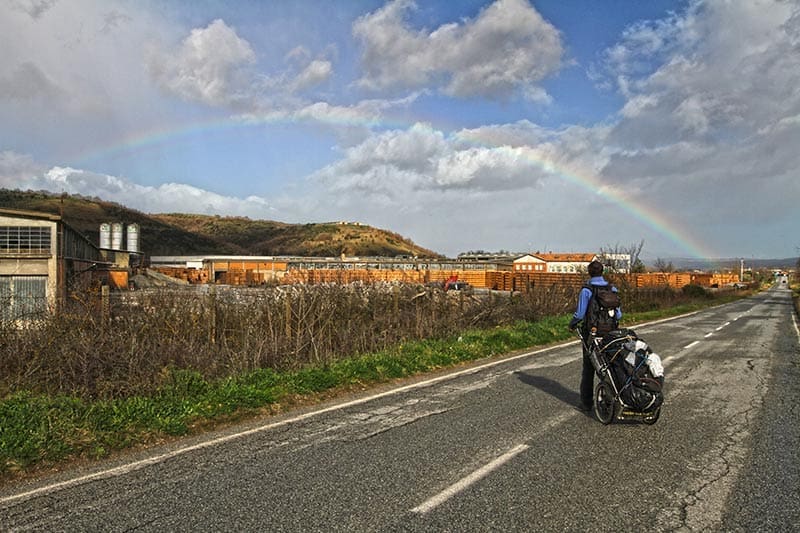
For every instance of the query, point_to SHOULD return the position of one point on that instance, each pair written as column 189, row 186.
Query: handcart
column 624, row 391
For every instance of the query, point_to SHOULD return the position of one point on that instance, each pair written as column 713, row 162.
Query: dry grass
column 131, row 344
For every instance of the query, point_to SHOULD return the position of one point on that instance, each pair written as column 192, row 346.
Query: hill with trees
column 192, row 234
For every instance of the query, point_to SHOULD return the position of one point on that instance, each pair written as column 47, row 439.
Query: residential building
column 571, row 263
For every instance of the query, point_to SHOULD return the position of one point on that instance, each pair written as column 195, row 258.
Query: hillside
column 186, row 234
column 265, row 237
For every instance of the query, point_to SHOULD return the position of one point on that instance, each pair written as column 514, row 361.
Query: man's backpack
column 601, row 314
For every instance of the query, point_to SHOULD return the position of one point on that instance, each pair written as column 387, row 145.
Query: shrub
column 695, row 291
column 173, row 341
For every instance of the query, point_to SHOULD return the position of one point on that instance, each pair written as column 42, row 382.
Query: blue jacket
column 586, row 294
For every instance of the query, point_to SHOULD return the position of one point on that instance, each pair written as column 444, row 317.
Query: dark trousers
column 587, row 378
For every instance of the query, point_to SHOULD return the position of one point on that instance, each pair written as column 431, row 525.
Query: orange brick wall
column 187, row 274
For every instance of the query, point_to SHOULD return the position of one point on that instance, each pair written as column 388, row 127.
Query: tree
column 663, row 266
column 638, row 267
column 623, row 259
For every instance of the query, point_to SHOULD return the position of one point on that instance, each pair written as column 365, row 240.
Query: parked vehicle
column 454, row 284
column 457, row 286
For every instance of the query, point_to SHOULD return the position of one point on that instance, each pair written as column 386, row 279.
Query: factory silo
column 133, row 237
column 116, row 235
column 105, row 235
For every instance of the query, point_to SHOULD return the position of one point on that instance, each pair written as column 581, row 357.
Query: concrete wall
column 38, row 264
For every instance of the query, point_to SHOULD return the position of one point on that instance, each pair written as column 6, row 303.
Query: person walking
column 597, row 319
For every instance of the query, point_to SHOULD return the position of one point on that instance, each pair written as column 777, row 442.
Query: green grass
column 43, row 430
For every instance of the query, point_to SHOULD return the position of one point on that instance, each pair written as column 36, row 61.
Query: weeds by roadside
column 86, row 383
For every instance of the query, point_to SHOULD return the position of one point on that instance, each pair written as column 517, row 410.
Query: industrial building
column 491, row 272
column 255, row 270
column 42, row 259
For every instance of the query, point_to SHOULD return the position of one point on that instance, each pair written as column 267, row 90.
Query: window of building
column 23, row 297
column 25, row 239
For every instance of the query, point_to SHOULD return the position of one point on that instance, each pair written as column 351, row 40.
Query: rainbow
column 333, row 116
column 588, row 181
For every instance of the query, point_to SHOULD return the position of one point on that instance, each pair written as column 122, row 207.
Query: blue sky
column 516, row 125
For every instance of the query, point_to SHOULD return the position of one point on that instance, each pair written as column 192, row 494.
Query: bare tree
column 623, row 259
column 663, row 266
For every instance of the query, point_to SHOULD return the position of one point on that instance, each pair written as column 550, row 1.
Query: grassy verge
column 39, row 430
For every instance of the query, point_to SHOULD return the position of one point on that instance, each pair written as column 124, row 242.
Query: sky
column 515, row 125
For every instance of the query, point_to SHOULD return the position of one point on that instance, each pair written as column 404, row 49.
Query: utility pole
column 741, row 270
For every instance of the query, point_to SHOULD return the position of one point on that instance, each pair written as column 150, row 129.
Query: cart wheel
column 652, row 418
column 604, row 404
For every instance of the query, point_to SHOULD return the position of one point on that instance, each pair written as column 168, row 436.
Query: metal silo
column 133, row 237
column 105, row 235
column 116, row 236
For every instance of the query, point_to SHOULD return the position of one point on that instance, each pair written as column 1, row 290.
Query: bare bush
column 129, row 343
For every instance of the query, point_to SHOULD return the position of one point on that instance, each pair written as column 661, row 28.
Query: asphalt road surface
column 496, row 447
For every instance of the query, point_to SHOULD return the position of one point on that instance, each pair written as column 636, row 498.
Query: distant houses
column 571, row 263
column 553, row 263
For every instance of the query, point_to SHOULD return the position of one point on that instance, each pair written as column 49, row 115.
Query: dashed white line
column 690, row 345
column 707, row 335
column 137, row 465
column 465, row 482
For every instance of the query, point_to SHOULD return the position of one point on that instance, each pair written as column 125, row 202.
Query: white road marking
column 690, row 345
column 136, row 465
column 465, row 482
column 707, row 335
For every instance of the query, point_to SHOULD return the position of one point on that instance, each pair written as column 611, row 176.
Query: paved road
column 493, row 448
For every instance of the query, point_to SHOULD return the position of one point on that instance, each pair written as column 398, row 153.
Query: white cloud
column 706, row 140
column 508, row 47
column 721, row 69
column 402, row 163
column 74, row 76
column 387, row 164
column 707, row 135
column 217, row 67
column 708, row 131
column 19, row 171
column 490, row 169
column 313, row 74
column 211, row 66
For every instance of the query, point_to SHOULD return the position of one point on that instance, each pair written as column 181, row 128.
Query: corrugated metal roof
column 19, row 213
